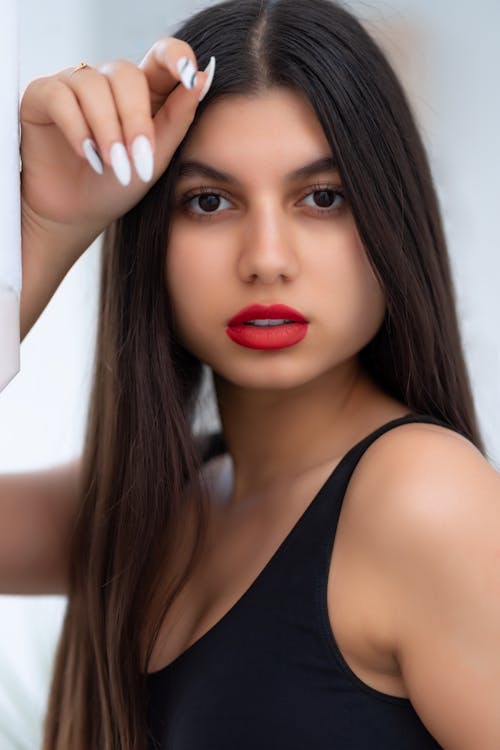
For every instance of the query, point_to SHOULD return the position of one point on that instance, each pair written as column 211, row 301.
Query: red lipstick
column 254, row 327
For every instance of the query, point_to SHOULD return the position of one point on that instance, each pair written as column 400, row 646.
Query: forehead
column 279, row 122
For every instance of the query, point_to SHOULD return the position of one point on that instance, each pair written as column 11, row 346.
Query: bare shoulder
column 418, row 481
column 420, row 460
column 428, row 518
column 428, row 437
column 426, row 471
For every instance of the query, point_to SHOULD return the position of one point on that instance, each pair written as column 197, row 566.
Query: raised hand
column 118, row 108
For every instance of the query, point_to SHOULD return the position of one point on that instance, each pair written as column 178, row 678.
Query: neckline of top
column 282, row 546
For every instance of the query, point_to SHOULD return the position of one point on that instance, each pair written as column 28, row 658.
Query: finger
column 168, row 62
column 130, row 92
column 49, row 101
column 94, row 91
column 131, row 95
column 173, row 120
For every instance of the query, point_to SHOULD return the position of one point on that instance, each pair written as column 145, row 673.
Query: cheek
column 193, row 258
column 353, row 299
column 337, row 279
column 192, row 279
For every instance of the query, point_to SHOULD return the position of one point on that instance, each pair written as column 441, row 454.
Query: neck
column 276, row 435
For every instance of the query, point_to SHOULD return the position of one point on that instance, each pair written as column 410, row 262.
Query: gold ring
column 82, row 66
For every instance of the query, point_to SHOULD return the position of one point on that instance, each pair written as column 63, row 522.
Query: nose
column 267, row 253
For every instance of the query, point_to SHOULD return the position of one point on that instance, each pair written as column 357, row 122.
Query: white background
column 448, row 56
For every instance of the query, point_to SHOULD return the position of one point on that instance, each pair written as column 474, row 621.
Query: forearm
column 48, row 253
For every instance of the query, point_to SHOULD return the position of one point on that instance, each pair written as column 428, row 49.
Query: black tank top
column 269, row 675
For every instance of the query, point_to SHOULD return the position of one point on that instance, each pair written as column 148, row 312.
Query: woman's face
column 267, row 238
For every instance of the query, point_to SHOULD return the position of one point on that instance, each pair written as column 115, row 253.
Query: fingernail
column 120, row 163
column 93, row 158
column 187, row 72
column 210, row 69
column 143, row 157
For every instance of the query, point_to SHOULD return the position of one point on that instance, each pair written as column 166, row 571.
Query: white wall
column 451, row 65
column 457, row 97
column 10, row 248
column 42, row 410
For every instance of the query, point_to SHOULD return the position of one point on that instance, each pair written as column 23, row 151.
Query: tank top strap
column 310, row 539
column 348, row 463
column 327, row 504
column 309, row 543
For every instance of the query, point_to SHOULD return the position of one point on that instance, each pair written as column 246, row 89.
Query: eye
column 206, row 199
column 329, row 198
column 209, row 200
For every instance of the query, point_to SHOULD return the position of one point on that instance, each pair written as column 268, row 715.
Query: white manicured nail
column 93, row 158
column 120, row 163
column 143, row 157
column 210, row 69
column 187, row 72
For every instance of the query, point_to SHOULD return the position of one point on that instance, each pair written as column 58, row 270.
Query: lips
column 266, row 312
column 289, row 330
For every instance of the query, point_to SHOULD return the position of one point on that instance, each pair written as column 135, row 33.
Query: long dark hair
column 141, row 451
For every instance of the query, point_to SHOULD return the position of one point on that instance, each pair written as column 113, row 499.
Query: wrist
column 49, row 250
column 61, row 243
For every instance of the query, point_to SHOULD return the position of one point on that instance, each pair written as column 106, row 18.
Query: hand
column 112, row 103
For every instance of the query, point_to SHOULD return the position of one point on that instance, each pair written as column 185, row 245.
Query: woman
column 287, row 237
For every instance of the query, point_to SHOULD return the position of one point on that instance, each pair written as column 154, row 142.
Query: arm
column 439, row 529
column 65, row 205
column 38, row 511
column 48, row 253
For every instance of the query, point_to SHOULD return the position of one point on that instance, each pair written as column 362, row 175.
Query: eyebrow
column 194, row 168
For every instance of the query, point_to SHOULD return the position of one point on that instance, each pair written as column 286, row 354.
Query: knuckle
column 37, row 83
column 53, row 90
column 117, row 69
column 31, row 89
column 107, row 68
column 174, row 47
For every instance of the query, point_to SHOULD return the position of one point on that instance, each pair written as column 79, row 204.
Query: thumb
column 173, row 119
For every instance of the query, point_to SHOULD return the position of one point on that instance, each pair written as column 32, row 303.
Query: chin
column 267, row 376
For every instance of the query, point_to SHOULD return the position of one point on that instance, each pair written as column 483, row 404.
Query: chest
column 239, row 548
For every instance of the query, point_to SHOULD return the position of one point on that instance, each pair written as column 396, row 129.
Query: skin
column 415, row 605
column 413, row 600
column 266, row 242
